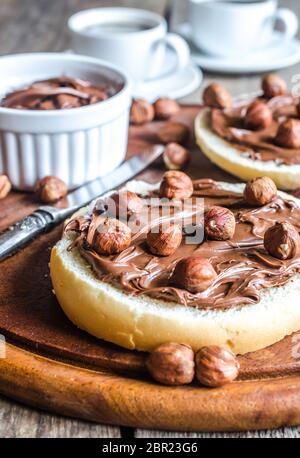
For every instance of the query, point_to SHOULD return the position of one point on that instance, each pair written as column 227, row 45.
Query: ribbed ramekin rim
column 68, row 112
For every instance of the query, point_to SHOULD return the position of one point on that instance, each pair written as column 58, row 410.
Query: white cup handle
column 181, row 48
column 289, row 22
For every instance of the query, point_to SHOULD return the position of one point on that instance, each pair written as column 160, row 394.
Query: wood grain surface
column 37, row 25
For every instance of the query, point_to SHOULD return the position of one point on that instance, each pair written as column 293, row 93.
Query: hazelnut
column 288, row 134
column 127, row 203
column 258, row 116
column 173, row 132
column 219, row 223
column 110, row 237
column 50, row 189
column 282, row 241
column 165, row 241
column 176, row 157
column 260, row 191
column 273, row 85
column 5, row 186
column 217, row 96
column 141, row 112
column 176, row 185
column 165, row 108
column 172, row 364
column 195, row 274
column 216, row 366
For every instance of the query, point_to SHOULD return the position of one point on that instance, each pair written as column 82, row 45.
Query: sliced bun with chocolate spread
column 142, row 321
column 250, row 138
column 226, row 156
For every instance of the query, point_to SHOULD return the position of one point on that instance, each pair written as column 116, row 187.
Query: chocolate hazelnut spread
column 229, row 124
column 243, row 266
column 57, row 93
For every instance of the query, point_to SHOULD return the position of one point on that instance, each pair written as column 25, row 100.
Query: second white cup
column 134, row 39
column 235, row 27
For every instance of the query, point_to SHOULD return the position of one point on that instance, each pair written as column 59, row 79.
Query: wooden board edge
column 108, row 398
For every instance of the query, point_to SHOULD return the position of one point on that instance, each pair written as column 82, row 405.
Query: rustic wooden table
column 40, row 25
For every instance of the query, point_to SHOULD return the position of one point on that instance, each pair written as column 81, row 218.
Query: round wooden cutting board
column 51, row 364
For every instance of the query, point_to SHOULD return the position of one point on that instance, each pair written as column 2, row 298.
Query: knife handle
column 25, row 230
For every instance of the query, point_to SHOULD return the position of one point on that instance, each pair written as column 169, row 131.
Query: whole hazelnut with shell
column 127, row 203
column 5, row 186
column 111, row 236
column 195, row 274
column 165, row 108
column 258, row 116
column 219, row 223
column 216, row 366
column 260, row 191
column 172, row 364
column 164, row 241
column 273, row 86
column 173, row 132
column 176, row 157
column 50, row 189
column 288, row 134
column 282, row 241
column 176, row 185
column 141, row 112
column 216, row 96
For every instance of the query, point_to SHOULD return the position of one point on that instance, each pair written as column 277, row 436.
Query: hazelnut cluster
column 163, row 109
column 281, row 240
column 176, row 364
column 258, row 115
column 112, row 236
column 172, row 134
column 195, row 274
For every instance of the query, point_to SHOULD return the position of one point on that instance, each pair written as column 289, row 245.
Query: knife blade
column 46, row 217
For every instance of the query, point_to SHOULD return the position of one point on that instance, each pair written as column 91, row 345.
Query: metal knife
column 46, row 217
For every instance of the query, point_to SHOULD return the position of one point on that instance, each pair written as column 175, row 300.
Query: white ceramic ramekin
column 76, row 144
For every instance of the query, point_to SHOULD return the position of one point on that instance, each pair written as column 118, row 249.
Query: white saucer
column 279, row 54
column 171, row 84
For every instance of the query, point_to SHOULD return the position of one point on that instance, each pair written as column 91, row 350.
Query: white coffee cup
column 236, row 27
column 133, row 39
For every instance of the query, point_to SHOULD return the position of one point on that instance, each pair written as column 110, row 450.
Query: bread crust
column 227, row 157
column 143, row 323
